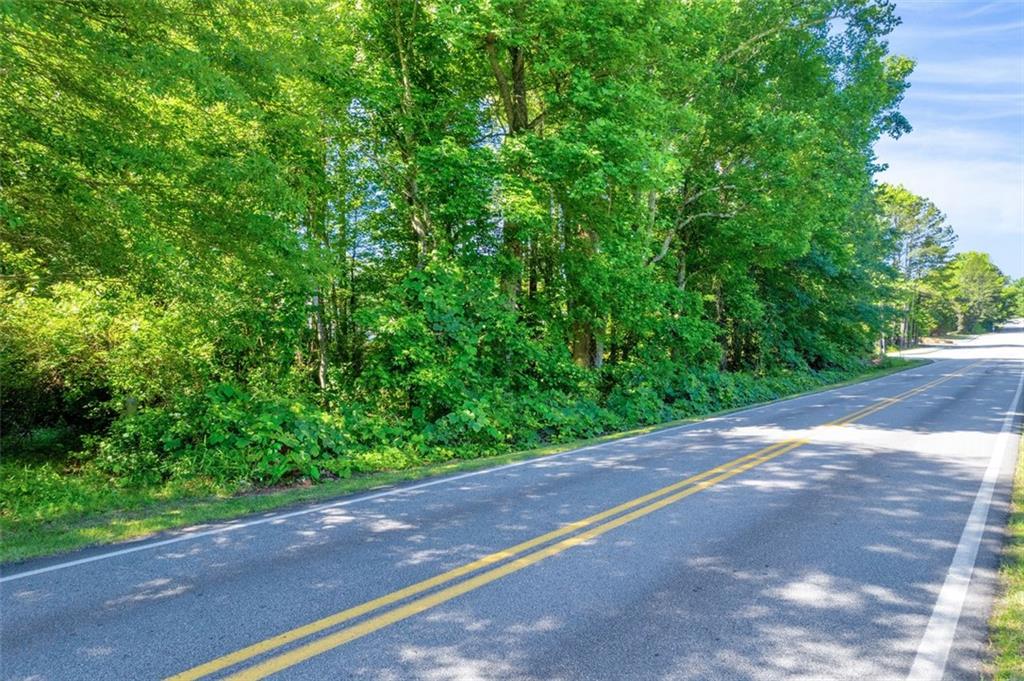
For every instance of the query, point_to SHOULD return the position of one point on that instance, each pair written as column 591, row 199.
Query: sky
column 966, row 105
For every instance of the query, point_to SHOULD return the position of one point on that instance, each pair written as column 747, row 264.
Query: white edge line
column 933, row 650
column 188, row 536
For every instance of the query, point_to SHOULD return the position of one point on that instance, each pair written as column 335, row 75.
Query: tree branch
column 504, row 91
column 751, row 41
column 664, row 249
column 709, row 214
column 702, row 192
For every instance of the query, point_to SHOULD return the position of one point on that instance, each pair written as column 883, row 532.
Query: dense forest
column 246, row 241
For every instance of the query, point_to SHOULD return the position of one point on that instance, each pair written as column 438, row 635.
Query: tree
column 979, row 292
column 920, row 243
column 458, row 225
column 1015, row 294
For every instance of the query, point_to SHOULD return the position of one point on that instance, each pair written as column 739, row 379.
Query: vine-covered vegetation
column 249, row 241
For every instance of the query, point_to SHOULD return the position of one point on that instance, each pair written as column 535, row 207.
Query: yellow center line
column 889, row 401
column 695, row 483
column 322, row 645
column 443, row 578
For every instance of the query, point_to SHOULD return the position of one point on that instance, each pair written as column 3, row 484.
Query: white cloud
column 975, row 115
column 966, row 104
column 981, row 196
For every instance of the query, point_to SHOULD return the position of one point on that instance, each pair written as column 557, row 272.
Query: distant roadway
column 848, row 534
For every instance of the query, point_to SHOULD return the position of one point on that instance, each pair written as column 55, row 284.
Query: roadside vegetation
column 253, row 244
column 934, row 293
column 1006, row 628
column 58, row 502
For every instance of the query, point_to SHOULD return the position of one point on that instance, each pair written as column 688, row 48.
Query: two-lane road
column 851, row 534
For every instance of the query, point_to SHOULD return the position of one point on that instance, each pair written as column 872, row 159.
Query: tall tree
column 921, row 242
column 451, row 222
column 979, row 292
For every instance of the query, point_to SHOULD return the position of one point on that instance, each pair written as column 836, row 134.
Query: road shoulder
column 1006, row 627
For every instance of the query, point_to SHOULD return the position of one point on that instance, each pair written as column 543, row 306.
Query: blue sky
column 966, row 104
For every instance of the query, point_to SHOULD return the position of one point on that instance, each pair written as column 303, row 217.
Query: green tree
column 920, row 243
column 257, row 239
column 1015, row 292
column 979, row 292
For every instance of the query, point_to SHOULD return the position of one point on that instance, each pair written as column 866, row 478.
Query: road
column 850, row 534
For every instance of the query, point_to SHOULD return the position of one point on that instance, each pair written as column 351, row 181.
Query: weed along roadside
column 1006, row 627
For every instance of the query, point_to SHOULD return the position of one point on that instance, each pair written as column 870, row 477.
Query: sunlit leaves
column 461, row 225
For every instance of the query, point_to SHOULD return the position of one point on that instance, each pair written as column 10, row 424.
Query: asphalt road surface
column 850, row 534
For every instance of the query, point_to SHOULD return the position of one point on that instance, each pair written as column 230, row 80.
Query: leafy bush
column 450, row 374
column 80, row 351
column 228, row 435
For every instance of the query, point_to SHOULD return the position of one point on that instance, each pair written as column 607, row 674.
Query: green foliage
column 85, row 351
column 979, row 292
column 229, row 439
column 966, row 294
column 227, row 435
column 1015, row 295
column 43, row 479
column 919, row 243
column 245, row 243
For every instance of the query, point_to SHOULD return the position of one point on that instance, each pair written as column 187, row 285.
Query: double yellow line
column 630, row 511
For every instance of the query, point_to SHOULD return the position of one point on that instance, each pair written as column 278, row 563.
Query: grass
column 1006, row 628
column 65, row 512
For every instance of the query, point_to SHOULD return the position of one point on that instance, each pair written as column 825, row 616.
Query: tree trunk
column 597, row 354
column 512, row 95
column 419, row 218
column 581, row 344
column 321, row 341
column 681, row 272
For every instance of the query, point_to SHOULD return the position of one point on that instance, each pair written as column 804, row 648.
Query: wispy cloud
column 935, row 33
column 957, row 143
column 986, row 8
column 984, row 71
column 966, row 103
column 970, row 116
column 946, row 95
column 983, row 199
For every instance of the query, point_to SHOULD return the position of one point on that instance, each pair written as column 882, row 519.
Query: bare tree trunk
column 905, row 328
column 908, row 321
column 726, row 343
column 532, row 290
column 681, row 272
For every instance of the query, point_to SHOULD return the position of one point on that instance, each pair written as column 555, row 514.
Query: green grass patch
column 53, row 503
column 1006, row 628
